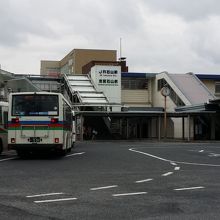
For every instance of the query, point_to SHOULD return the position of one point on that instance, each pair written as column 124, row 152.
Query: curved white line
column 6, row 159
column 199, row 164
column 71, row 155
column 150, row 155
column 171, row 161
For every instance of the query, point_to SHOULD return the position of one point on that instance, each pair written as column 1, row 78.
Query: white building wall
column 210, row 84
column 138, row 98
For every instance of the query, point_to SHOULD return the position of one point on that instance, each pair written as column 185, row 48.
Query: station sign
column 107, row 79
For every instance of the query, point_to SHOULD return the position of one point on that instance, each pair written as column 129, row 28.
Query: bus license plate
column 34, row 139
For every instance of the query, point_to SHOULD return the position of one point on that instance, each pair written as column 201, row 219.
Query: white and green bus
column 3, row 126
column 40, row 121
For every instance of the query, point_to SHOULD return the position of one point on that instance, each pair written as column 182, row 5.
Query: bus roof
column 40, row 93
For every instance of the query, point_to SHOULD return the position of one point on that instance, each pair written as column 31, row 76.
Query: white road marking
column 201, row 151
column 103, row 187
column 129, row 194
column 177, row 168
column 167, row 174
column 142, row 181
column 150, row 155
column 45, row 194
column 200, row 164
column 174, row 164
column 181, row 162
column 190, row 188
column 55, row 200
column 214, row 155
column 6, row 159
column 71, row 155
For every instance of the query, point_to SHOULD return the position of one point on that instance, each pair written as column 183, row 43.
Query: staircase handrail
column 73, row 92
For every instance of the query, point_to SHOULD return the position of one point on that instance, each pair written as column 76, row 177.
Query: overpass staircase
column 84, row 96
column 81, row 91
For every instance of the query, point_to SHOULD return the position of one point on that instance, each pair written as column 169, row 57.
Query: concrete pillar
column 159, row 128
column 127, row 128
column 183, row 128
column 81, row 127
column 188, row 138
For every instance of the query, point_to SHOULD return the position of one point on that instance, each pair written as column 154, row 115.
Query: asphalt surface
column 114, row 180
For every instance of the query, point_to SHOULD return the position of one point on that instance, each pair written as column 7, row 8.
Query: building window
column 217, row 87
column 160, row 84
column 53, row 71
column 131, row 83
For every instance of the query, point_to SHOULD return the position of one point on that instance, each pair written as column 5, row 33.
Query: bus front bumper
column 35, row 147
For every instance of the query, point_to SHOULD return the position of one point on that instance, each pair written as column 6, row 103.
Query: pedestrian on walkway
column 94, row 134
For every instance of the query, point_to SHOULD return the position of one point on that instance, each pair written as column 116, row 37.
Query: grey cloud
column 188, row 9
column 99, row 17
column 102, row 23
column 205, row 39
column 17, row 24
column 157, row 35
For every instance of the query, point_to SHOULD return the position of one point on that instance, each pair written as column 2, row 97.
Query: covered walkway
column 149, row 125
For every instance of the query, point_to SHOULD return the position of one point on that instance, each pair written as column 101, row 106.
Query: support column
column 159, row 128
column 183, row 128
column 81, row 127
column 127, row 128
column 189, row 130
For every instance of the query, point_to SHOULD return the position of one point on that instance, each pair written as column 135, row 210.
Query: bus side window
column 5, row 118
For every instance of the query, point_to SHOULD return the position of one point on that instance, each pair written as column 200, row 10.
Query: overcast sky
column 177, row 36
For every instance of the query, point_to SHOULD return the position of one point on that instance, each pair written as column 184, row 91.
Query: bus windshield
column 35, row 105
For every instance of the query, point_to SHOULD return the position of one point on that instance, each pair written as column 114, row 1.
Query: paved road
column 114, row 180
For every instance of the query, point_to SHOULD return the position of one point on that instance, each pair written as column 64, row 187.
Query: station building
column 73, row 62
column 129, row 105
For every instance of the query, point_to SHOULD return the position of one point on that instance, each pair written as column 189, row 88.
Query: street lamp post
column 165, row 91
